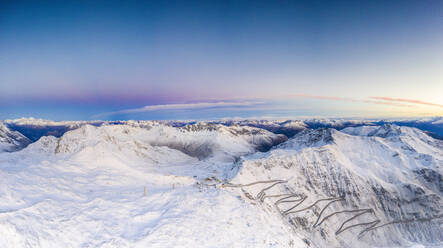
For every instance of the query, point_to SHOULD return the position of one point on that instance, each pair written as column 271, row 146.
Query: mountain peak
column 11, row 140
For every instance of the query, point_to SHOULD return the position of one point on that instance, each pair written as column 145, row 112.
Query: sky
column 113, row 60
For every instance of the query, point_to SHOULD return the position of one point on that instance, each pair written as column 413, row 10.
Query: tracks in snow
column 298, row 199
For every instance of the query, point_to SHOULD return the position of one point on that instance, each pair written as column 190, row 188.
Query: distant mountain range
column 33, row 129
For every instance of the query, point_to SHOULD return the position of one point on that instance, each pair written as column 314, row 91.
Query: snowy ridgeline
column 11, row 140
column 33, row 129
column 153, row 184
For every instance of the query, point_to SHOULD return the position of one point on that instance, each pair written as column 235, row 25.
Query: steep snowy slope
column 126, row 186
column 341, row 188
column 11, row 140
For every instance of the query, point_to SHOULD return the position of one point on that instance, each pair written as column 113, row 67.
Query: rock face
column 364, row 177
column 11, row 140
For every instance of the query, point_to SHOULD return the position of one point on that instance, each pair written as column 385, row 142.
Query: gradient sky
column 68, row 60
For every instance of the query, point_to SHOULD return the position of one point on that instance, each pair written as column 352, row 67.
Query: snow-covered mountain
column 131, row 186
column 198, row 141
column 11, row 140
column 159, row 184
column 33, row 128
column 387, row 173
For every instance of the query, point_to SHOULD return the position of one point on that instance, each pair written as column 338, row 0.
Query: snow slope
column 126, row 186
column 393, row 172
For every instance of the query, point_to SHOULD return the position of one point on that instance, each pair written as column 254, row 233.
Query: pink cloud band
column 390, row 99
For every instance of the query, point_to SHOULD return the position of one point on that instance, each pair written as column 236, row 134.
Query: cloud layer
column 274, row 105
column 390, row 99
column 183, row 106
column 338, row 98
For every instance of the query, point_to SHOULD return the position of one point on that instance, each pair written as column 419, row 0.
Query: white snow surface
column 87, row 189
column 155, row 185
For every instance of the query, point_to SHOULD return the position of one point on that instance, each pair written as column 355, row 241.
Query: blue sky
column 68, row 60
